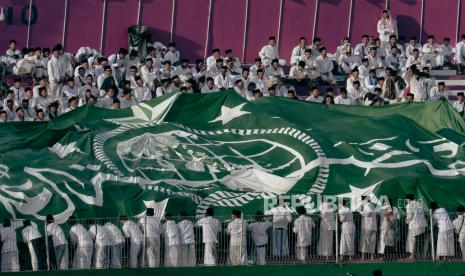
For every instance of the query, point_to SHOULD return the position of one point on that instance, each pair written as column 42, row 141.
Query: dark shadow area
column 408, row 26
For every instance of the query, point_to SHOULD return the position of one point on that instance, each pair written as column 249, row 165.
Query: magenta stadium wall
column 197, row 26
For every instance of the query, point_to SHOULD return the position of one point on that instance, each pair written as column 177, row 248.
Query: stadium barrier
column 249, row 240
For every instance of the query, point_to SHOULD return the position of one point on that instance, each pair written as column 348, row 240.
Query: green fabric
column 218, row 150
column 391, row 269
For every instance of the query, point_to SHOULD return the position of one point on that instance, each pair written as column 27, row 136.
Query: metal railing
column 342, row 237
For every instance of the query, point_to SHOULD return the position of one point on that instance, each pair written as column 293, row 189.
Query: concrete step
column 443, row 72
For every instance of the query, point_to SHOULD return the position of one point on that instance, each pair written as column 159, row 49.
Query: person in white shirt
column 394, row 60
column 343, row 98
column 414, row 59
column 70, row 89
column 371, row 81
column 310, row 65
column 82, row 242
column 384, row 223
column 354, row 76
column 117, row 241
column 9, row 253
column 167, row 72
column 417, row 244
column 127, row 101
column 172, row 242
column 345, row 45
column 347, row 243
column 141, row 92
column 392, row 43
column 412, row 46
column 324, row 66
column 173, row 55
column 327, row 228
column 237, row 230
column 42, row 101
column 375, row 62
column 274, row 70
column 281, row 218
column 314, row 96
column 258, row 230
column 347, row 61
column 368, row 229
column 102, row 244
column 209, row 86
column 12, row 51
column 187, row 239
column 418, row 87
column 386, row 26
column 211, row 60
column 447, row 51
column 184, row 71
column 269, row 52
column 445, row 239
column 107, row 100
column 119, row 63
column 199, row 72
column 223, row 81
column 459, row 224
column 303, row 228
column 357, row 92
column 459, row 104
column 89, row 85
column 316, row 46
column 56, row 73
column 211, row 227
column 241, row 90
column 149, row 74
column 257, row 66
column 236, row 61
column 261, row 82
column 433, row 52
column 298, row 51
column 17, row 89
column 152, row 227
column 165, row 88
column 460, row 54
column 59, row 244
column 131, row 230
column 362, row 49
column 438, row 92
column 298, row 72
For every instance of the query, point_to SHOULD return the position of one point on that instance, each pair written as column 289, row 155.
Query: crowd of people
column 276, row 236
column 379, row 70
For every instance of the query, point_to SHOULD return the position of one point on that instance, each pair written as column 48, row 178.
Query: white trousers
column 209, row 256
column 172, row 256
column 82, row 257
column 152, row 253
column 115, row 252
column 188, row 255
column 10, row 261
column 134, row 252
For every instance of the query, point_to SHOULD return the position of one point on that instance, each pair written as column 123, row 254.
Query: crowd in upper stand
column 378, row 70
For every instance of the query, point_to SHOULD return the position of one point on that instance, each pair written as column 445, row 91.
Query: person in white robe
column 460, row 54
column 459, row 104
column 298, row 51
column 258, row 230
column 211, row 227
column 325, row 66
column 445, row 240
column 237, row 231
column 368, row 229
column 459, row 225
column 282, row 216
column 417, row 235
column 346, row 246
column 117, row 241
column 386, row 27
column 432, row 52
column 327, row 228
column 102, row 245
column 343, row 97
column 82, row 242
column 172, row 242
column 59, row 244
column 384, row 221
column 269, row 52
column 439, row 92
column 33, row 239
column 134, row 234
column 303, row 228
column 9, row 253
column 152, row 228
column 187, row 239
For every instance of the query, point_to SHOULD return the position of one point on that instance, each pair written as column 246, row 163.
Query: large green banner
column 218, row 150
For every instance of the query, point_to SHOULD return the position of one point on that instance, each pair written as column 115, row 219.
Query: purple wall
column 189, row 27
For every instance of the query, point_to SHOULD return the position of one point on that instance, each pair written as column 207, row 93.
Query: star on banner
column 228, row 114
